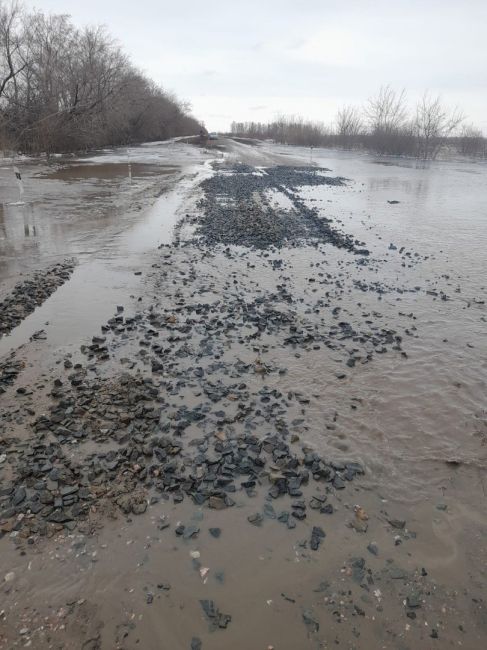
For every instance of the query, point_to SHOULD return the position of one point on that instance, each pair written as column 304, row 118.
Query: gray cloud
column 228, row 58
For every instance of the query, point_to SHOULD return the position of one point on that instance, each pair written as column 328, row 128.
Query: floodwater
column 77, row 207
column 437, row 398
column 419, row 425
column 97, row 214
column 107, row 171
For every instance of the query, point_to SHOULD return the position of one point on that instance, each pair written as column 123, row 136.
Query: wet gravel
column 32, row 292
column 10, row 368
column 179, row 403
column 153, row 461
column 237, row 440
column 237, row 209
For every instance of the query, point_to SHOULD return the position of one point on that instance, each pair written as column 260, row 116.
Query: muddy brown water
column 78, row 207
column 107, row 171
column 419, row 425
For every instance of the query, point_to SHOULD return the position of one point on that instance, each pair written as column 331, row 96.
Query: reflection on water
column 77, row 207
column 29, row 230
column 104, row 278
column 419, row 189
column 107, row 171
column 438, row 210
column 404, row 162
column 3, row 232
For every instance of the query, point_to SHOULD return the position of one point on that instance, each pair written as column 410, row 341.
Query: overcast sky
column 254, row 59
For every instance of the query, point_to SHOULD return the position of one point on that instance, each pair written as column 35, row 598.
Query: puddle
column 107, row 171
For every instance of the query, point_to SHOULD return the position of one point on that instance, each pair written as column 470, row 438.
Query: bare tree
column 11, row 61
column 387, row 117
column 392, row 131
column 349, row 126
column 387, row 111
column 62, row 88
column 433, row 124
column 472, row 141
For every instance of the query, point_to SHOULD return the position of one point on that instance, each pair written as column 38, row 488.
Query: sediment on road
column 196, row 423
column 28, row 294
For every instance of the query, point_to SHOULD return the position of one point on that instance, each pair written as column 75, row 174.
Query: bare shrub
column 349, row 127
column 433, row 124
column 286, row 130
column 471, row 142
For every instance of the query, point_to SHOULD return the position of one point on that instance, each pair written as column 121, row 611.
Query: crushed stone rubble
column 32, row 292
column 179, row 401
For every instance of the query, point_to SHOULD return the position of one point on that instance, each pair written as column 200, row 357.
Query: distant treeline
column 384, row 126
column 67, row 89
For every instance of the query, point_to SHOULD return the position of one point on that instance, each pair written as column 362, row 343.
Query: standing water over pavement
column 436, row 210
column 437, row 399
column 92, row 210
column 413, row 569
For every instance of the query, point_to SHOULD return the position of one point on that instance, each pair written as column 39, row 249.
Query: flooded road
column 79, row 206
column 98, row 214
column 223, row 373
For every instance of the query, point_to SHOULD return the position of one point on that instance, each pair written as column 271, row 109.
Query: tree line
column 69, row 89
column 384, row 125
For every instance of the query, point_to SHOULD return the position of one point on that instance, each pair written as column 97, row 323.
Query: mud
column 266, row 446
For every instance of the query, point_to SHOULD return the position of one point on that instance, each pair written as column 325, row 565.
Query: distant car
column 213, row 136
